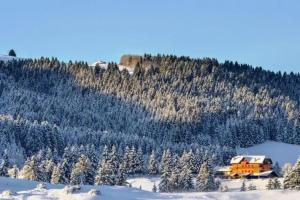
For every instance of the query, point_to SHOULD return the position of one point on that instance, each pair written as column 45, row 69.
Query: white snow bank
column 23, row 189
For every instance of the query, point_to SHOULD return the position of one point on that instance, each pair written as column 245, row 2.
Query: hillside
column 168, row 102
column 27, row 190
column 279, row 152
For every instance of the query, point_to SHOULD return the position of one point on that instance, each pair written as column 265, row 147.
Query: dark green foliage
column 12, row 53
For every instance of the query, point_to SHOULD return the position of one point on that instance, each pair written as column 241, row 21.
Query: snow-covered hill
column 7, row 58
column 23, row 189
column 280, row 152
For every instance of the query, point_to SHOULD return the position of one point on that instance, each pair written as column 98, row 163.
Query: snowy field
column 26, row 190
column 277, row 151
column 7, row 58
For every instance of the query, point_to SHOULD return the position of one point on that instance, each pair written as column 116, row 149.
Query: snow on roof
column 223, row 169
column 250, row 158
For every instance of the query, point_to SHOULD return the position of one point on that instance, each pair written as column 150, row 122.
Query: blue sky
column 258, row 32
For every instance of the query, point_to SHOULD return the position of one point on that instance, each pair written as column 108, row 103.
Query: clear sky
column 258, row 32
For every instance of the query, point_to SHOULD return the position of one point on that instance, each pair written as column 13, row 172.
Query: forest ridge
column 168, row 102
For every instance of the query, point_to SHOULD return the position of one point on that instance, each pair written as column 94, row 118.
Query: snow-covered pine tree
column 113, row 160
column 205, row 180
column 56, row 175
column 82, row 172
column 174, row 183
column 152, row 165
column 92, row 155
column 4, row 164
column 126, row 162
column 13, row 172
column 164, row 185
column 277, row 169
column 121, row 177
column 192, row 160
column 65, row 171
column 139, row 161
column 133, row 161
column 292, row 179
column 287, row 167
column 30, row 169
column 105, row 174
column 105, row 154
column 185, row 176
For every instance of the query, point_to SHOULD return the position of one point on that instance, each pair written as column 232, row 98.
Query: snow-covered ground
column 23, row 189
column 277, row 151
column 7, row 58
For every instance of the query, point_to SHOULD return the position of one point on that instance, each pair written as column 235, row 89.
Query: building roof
column 250, row 158
column 223, row 169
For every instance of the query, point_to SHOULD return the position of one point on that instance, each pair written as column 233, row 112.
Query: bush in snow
column 71, row 189
column 41, row 186
column 154, row 189
column 7, row 194
column 243, row 187
column 94, row 192
column 251, row 187
column 223, row 188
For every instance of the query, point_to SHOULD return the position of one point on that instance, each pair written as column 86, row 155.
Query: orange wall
column 245, row 167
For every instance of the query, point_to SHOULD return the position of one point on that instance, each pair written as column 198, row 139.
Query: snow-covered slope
column 7, row 58
column 23, row 189
column 104, row 65
column 280, row 152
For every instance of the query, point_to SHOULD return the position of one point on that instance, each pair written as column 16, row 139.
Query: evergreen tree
column 4, row 165
column 277, row 169
column 121, row 177
column 14, row 172
column 139, row 161
column 243, row 187
column 81, row 173
column 113, row 160
column 276, row 184
column 65, row 175
column 205, row 179
column 152, row 165
column 270, row 184
column 164, row 185
column 154, row 188
column 185, row 177
column 126, row 161
column 12, row 53
column 56, row 175
column 105, row 174
column 31, row 169
column 292, row 179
